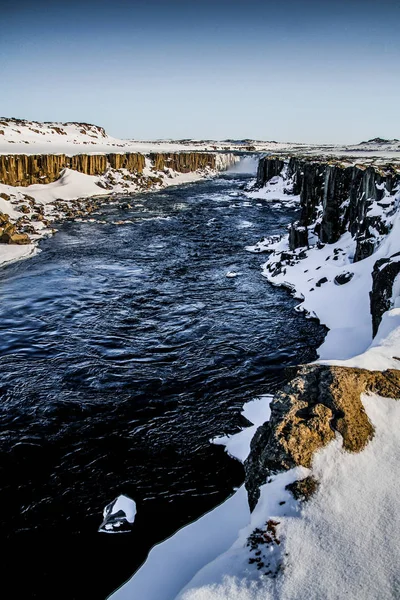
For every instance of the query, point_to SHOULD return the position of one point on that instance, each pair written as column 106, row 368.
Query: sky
column 294, row 70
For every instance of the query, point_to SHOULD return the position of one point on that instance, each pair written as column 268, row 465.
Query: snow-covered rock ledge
column 323, row 465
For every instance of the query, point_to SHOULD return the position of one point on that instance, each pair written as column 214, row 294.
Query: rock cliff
column 335, row 197
column 27, row 169
column 183, row 162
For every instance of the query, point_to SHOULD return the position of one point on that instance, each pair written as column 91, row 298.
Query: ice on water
column 119, row 515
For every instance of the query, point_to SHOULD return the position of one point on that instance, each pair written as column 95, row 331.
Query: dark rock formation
column 383, row 276
column 298, row 235
column 321, row 281
column 343, row 278
column 306, row 414
column 268, row 168
column 334, row 198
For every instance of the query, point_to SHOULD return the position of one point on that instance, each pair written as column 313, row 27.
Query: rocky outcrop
column 183, row 162
column 268, row 168
column 134, row 163
column 383, row 276
column 334, row 198
column 305, row 415
column 9, row 233
column 26, row 169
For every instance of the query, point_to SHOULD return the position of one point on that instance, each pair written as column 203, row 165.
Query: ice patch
column 119, row 515
column 245, row 225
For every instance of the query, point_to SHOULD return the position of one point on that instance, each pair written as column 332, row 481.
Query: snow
column 179, row 558
column 342, row 543
column 276, row 190
column 171, row 565
column 257, row 412
column 71, row 185
column 31, row 137
column 118, row 515
column 11, row 253
column 383, row 353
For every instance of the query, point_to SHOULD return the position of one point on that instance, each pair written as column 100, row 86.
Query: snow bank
column 179, row 558
column 342, row 543
column 70, row 186
column 10, row 254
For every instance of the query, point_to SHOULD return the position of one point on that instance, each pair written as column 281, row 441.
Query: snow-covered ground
column 31, row 137
column 343, row 542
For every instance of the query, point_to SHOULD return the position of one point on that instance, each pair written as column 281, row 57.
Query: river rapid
column 124, row 348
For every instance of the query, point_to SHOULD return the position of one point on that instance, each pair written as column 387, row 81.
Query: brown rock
column 8, row 231
column 20, row 239
column 303, row 489
column 307, row 412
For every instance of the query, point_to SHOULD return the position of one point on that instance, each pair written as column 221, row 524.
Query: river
column 123, row 349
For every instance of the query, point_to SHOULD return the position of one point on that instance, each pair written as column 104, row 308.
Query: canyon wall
column 183, row 162
column 334, row 198
column 27, row 169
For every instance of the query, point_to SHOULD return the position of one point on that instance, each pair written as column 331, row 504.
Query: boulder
column 343, row 278
column 20, row 239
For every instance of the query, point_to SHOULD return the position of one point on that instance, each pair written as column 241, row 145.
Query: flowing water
column 123, row 349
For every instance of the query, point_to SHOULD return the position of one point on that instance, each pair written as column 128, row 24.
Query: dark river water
column 123, row 349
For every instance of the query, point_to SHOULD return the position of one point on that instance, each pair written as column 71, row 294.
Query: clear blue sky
column 288, row 71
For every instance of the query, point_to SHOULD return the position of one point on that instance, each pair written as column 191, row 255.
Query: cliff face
column 334, row 198
column 184, row 162
column 25, row 169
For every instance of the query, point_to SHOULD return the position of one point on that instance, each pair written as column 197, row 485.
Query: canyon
column 340, row 258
